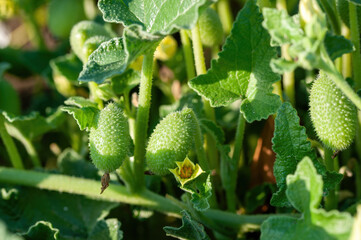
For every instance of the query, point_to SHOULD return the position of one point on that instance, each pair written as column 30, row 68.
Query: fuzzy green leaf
column 305, row 193
column 125, row 82
column 75, row 216
column 157, row 16
column 68, row 66
column 80, row 102
column 107, row 230
column 213, row 129
column 190, row 229
column 281, row 27
column 84, row 116
column 243, row 69
column 291, row 145
column 337, row 45
column 71, row 163
column 41, row 230
column 18, row 126
column 201, row 190
column 113, row 57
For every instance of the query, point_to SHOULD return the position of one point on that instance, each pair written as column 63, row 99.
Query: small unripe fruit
column 63, row 14
column 91, row 44
column 333, row 115
column 84, row 30
column 170, row 141
column 210, row 28
column 109, row 138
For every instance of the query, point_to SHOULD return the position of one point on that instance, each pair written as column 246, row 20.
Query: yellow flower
column 186, row 171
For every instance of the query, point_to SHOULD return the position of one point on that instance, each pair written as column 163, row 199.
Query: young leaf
column 190, row 229
column 18, row 126
column 84, row 111
column 242, row 69
column 84, row 116
column 107, row 230
column 41, row 230
column 305, row 193
column 201, row 190
column 156, row 17
column 68, row 66
column 113, row 57
column 337, row 45
column 291, row 145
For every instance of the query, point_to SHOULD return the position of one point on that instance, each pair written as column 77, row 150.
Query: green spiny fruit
column 333, row 115
column 170, row 141
column 210, row 28
column 109, row 138
column 84, row 30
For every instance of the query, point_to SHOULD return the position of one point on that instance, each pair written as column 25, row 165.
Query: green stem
column 93, row 88
column 225, row 15
column 355, row 38
column 338, row 79
column 288, row 78
column 231, row 192
column 330, row 13
column 141, row 125
column 31, row 151
column 10, row 145
column 331, row 198
column 211, row 146
column 198, row 142
column 188, row 56
column 117, row 193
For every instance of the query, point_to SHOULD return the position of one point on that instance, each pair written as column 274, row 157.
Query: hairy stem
column 118, row 193
column 332, row 16
column 231, row 191
column 188, row 56
column 355, row 38
column 331, row 198
column 328, row 66
column 288, row 78
column 141, row 125
column 10, row 145
column 211, row 147
column 225, row 15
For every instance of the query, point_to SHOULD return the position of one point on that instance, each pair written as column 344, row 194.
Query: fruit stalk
column 211, row 147
column 10, row 145
column 355, row 38
column 141, row 125
column 187, row 50
column 328, row 66
column 288, row 78
column 331, row 198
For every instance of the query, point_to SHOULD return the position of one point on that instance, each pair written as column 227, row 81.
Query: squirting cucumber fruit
column 171, row 140
column 333, row 115
column 109, row 138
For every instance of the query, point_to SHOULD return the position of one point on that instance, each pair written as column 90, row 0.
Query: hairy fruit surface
column 170, row 141
column 109, row 138
column 210, row 28
column 333, row 115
